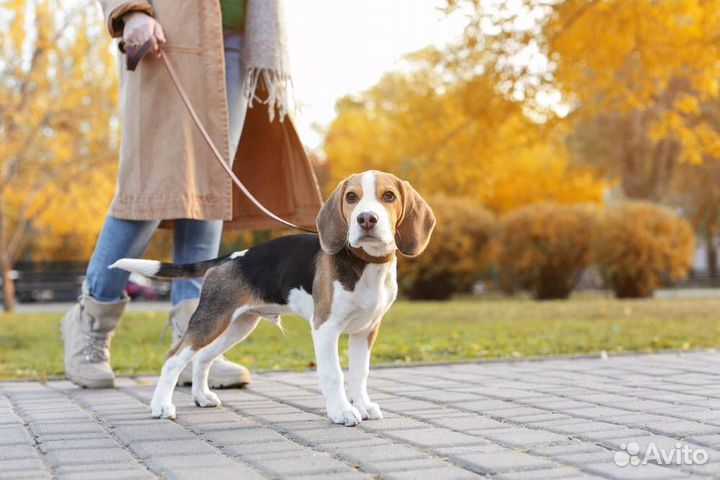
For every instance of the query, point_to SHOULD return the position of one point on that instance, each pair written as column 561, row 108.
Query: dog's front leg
column 359, row 348
column 330, row 377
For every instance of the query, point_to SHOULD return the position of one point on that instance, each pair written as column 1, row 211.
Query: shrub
column 459, row 251
column 544, row 248
column 639, row 243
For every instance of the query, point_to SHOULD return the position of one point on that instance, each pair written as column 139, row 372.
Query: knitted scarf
column 265, row 55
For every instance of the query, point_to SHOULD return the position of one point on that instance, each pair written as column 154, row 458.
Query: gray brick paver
column 446, row 473
column 96, row 456
column 525, row 438
column 643, row 441
column 644, row 472
column 13, row 434
column 74, row 443
column 585, row 458
column 354, row 475
column 65, row 428
column 705, row 440
column 201, row 466
column 561, row 473
column 508, row 461
column 29, row 474
column 578, row 426
column 307, row 464
column 384, row 466
column 243, row 436
column 159, row 430
column 152, row 448
column 329, row 435
column 132, row 474
column 384, row 452
column 393, row 423
column 541, row 418
column 474, row 422
column 683, row 428
column 432, row 437
column 21, row 464
column 261, row 451
column 230, row 472
column 90, row 467
column 610, row 434
column 12, row 452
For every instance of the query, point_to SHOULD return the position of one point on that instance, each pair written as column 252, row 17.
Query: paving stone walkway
column 551, row 419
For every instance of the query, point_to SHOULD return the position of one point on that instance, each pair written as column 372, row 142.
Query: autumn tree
column 636, row 76
column 58, row 91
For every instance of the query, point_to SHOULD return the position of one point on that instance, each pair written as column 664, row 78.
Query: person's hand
column 141, row 27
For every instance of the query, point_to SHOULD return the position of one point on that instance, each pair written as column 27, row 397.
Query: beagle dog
column 342, row 280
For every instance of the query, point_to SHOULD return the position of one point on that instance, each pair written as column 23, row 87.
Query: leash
column 134, row 55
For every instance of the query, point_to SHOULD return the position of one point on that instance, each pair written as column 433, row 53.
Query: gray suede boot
column 87, row 330
column 223, row 373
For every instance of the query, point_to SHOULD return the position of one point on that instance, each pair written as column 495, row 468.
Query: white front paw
column 163, row 410
column 206, row 399
column 368, row 410
column 346, row 415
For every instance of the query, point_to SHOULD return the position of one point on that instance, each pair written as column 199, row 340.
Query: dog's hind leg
column 238, row 331
column 219, row 298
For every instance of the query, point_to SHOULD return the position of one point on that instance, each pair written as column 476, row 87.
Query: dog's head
column 377, row 212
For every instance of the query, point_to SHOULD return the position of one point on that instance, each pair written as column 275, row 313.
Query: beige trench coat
column 166, row 169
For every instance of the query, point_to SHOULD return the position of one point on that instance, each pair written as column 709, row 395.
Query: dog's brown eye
column 350, row 197
column 389, row 197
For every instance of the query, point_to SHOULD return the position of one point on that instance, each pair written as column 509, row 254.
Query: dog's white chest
column 372, row 296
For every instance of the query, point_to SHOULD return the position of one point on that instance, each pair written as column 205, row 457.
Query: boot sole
column 94, row 384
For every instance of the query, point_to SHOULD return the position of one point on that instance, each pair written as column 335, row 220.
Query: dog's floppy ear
column 331, row 225
column 416, row 224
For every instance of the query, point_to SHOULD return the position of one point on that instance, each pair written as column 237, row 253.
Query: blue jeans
column 193, row 240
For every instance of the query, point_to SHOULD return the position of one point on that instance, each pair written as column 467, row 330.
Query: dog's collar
column 363, row 255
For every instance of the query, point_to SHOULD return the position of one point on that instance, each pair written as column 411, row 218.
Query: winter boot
column 87, row 330
column 223, row 373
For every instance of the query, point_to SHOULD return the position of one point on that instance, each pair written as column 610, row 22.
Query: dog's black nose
column 367, row 220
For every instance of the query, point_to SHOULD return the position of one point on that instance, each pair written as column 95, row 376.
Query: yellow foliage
column 687, row 104
column 68, row 227
column 637, row 244
column 654, row 56
column 648, row 64
column 612, row 53
column 58, row 130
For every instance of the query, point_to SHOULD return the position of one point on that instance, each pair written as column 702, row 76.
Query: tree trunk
column 8, row 285
column 711, row 252
column 8, row 288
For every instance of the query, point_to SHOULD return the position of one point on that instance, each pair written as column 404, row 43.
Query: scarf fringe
column 276, row 84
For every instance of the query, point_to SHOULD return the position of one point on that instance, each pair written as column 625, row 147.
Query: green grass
column 468, row 329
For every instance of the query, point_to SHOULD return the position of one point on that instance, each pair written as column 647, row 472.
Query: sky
column 340, row 47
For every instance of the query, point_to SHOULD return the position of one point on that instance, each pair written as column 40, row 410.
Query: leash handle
column 136, row 53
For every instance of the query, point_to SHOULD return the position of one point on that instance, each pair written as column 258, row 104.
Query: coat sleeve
column 113, row 10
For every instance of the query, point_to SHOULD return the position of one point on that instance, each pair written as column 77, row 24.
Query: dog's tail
column 157, row 269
